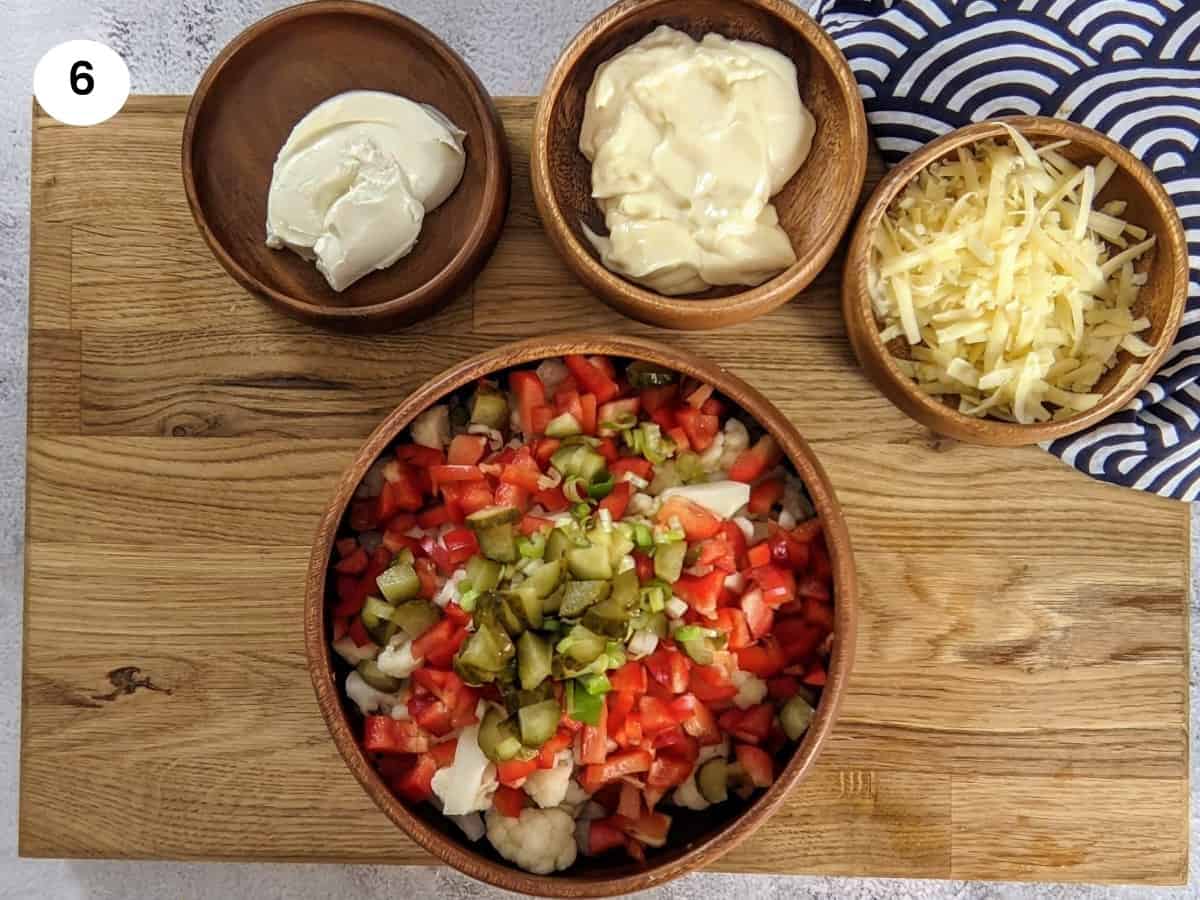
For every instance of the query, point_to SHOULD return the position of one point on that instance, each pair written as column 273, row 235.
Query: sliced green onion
column 575, row 489
column 643, row 536
column 598, row 490
column 581, row 511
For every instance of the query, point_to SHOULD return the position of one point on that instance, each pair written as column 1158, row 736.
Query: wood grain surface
column 1018, row 709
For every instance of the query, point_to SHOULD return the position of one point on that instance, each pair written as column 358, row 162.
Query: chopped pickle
column 375, row 611
column 652, row 621
column 484, row 655
column 383, row 632
column 544, row 579
column 642, row 374
column 700, row 649
column 580, row 461
column 525, row 604
column 713, row 780
column 483, row 573
column 582, row 645
column 499, row 737
column 582, row 706
column 539, row 721
column 489, row 407
column 416, row 617
column 376, row 678
column 608, row 617
column 510, row 613
column 668, row 561
column 625, row 589
column 400, row 582
column 499, row 542
column 534, row 655
column 795, row 716
column 591, row 563
column 579, row 595
column 552, row 603
column 557, row 545
column 492, row 516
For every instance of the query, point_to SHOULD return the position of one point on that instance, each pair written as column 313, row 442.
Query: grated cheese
column 1012, row 286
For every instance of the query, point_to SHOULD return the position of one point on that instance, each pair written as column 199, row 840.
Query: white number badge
column 81, row 82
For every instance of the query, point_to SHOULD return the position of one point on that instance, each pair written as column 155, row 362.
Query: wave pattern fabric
column 1128, row 68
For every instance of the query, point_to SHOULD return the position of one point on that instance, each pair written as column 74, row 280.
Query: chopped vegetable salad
column 576, row 599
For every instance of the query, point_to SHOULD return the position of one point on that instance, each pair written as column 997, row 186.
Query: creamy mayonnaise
column 688, row 142
column 355, row 178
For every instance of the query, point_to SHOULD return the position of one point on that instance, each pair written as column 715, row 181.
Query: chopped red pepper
column 764, row 659
column 530, row 394
column 513, row 772
column 354, row 564
column 669, row 668
column 701, row 592
column 757, row 763
column 509, row 801
column 466, row 450
column 618, row 500
column 638, row 465
column 383, row 734
column 631, row 678
column 701, row 429
column 591, row 379
column 757, row 460
column 697, row 522
column 765, row 494
column 711, row 684
column 628, row 762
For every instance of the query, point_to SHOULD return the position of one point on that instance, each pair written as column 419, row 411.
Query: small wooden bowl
column 1161, row 300
column 697, row 838
column 263, row 83
column 814, row 207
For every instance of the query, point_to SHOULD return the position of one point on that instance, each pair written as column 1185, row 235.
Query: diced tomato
column 615, row 410
column 341, row 625
column 759, row 616
column 757, row 764
column 656, row 398
column 443, row 753
column 362, row 515
column 669, row 668
column 346, row 546
column 358, row 632
column 420, row 455
column 605, row 365
column 430, row 713
column 511, row 495
column 383, row 734
column 513, row 772
column 457, row 614
column 552, row 500
column 522, row 476
column 697, row 719
column 678, row 435
column 778, row 584
column 765, row 495
column 798, row 639
column 701, row 592
column 545, row 448
column 668, row 771
column 461, row 544
column 588, row 413
column 630, row 804
column 652, row 794
column 676, row 742
column 759, row 555
column 630, row 678
column 559, row 742
column 736, row 540
column 427, row 573
column 541, row 416
column 821, row 566
column 755, row 723
column 755, row 461
column 697, row 398
column 435, row 640
column 782, row 687
column 608, row 449
column 818, row 613
column 354, row 564
column 448, row 474
column 701, row 429
column 787, row 551
column 531, row 524
column 698, row 523
column 594, row 740
column 618, row 765
column 617, row 501
column 628, row 732
column 710, row 683
column 417, row 785
column 645, row 566
column 509, row 801
column 432, row 517
column 638, row 465
column 403, row 490
column 466, row 450
column 764, row 660
column 474, row 496
column 604, row 836
column 814, row 587
column 713, row 407
column 732, row 621
column 815, row 675
column 655, row 715
column 591, row 379
column 530, row 393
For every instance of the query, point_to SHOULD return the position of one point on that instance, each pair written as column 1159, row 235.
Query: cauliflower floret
column 467, row 785
column 688, row 793
column 471, row 825
column 735, row 439
column 548, row 787
column 575, row 800
column 396, row 659
column 640, row 504
column 365, row 697
column 751, row 689
column 432, row 427
column 540, row 841
column 710, row 459
column 794, row 501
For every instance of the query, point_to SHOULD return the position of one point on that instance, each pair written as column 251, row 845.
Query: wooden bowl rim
column 681, row 312
column 856, row 301
column 845, row 613
column 483, row 233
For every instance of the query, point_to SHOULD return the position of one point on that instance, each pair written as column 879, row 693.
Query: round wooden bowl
column 814, row 206
column 1161, row 300
column 697, row 838
column 263, row 83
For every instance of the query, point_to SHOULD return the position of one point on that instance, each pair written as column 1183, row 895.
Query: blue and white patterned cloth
column 1129, row 68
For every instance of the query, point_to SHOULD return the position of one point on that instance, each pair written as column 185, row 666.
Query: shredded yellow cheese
column 1013, row 291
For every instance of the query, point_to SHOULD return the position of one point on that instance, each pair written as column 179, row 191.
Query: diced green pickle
column 538, row 722
column 544, row 579
column 376, row 678
column 499, row 736
column 713, row 780
column 582, row 644
column 499, row 543
column 416, row 617
column 534, row 655
column 642, row 374
column 489, row 407
column 795, row 716
column 579, row 595
column 493, row 516
column 590, row 563
column 483, row 573
column 668, row 561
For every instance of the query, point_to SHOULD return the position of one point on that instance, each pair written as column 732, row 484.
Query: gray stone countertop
column 167, row 44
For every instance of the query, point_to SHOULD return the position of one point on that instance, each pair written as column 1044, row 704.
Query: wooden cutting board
column 1019, row 705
